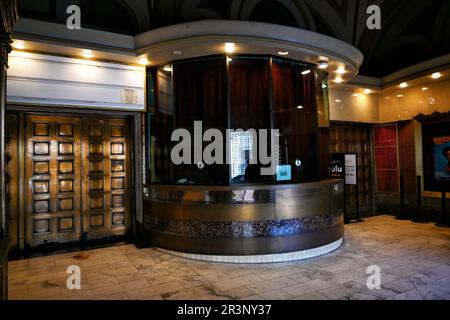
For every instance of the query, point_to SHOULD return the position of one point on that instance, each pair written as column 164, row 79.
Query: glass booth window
column 239, row 97
column 249, row 79
column 294, row 112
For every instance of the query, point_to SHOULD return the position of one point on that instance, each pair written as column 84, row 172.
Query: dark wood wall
column 407, row 155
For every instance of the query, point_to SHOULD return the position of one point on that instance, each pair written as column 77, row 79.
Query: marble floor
column 414, row 260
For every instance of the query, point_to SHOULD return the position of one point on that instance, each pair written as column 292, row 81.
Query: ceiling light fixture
column 424, row 88
column 143, row 61
column 230, row 47
column 399, row 96
column 299, row 107
column 436, row 75
column 356, row 94
column 177, row 52
column 168, row 68
column 283, row 53
column 20, row 45
column 305, row 72
column 337, row 100
column 340, row 70
column 338, row 80
column 323, row 64
column 403, row 85
column 87, row 54
column 367, row 91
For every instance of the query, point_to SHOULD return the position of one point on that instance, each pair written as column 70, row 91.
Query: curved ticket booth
column 237, row 145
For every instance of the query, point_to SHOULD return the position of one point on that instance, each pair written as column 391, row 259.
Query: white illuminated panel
column 58, row 81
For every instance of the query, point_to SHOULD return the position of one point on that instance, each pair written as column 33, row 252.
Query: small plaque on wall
column 129, row 96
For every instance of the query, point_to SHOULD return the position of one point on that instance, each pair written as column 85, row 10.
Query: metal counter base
column 246, row 222
column 264, row 258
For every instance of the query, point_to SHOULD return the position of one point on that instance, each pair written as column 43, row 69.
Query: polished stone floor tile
column 414, row 261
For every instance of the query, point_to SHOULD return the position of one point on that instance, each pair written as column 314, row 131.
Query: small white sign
column 350, row 170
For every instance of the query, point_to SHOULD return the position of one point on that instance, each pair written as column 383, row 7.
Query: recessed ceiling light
column 399, row 96
column 356, row 94
column 144, row 61
column 87, row 54
column 340, row 70
column 283, row 53
column 337, row 100
column 299, row 107
column 338, row 80
column 367, row 91
column 230, row 47
column 387, row 98
column 424, row 88
column 168, row 68
column 403, row 85
column 305, row 72
column 323, row 65
column 436, row 75
column 20, row 45
column 177, row 52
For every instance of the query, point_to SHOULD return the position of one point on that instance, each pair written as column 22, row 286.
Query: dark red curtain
column 200, row 89
column 249, row 93
column 295, row 115
column 386, row 161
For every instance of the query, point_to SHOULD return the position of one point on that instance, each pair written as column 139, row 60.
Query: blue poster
column 441, row 157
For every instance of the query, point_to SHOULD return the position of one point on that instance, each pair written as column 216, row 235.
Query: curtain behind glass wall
column 249, row 109
column 295, row 115
column 201, row 95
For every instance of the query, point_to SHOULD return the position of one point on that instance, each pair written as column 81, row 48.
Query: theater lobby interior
column 224, row 150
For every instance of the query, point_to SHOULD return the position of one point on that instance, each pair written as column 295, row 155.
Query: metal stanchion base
column 442, row 225
column 348, row 221
column 420, row 220
column 402, row 218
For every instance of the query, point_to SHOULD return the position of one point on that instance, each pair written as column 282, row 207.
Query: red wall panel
column 386, row 159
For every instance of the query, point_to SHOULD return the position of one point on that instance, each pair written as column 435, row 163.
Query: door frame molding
column 135, row 120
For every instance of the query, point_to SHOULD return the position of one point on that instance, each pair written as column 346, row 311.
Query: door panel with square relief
column 77, row 175
column 53, row 177
column 106, row 159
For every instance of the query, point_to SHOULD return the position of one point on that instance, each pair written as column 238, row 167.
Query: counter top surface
column 183, row 187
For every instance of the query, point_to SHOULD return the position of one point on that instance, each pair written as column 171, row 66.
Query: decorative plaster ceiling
column 412, row 30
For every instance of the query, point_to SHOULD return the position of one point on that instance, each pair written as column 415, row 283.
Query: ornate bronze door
column 77, row 175
column 106, row 178
column 53, row 178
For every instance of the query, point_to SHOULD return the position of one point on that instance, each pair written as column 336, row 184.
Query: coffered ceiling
column 412, row 30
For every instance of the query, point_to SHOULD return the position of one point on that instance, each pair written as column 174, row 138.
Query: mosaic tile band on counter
column 253, row 229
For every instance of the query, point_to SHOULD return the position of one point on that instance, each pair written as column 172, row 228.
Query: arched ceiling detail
column 412, row 30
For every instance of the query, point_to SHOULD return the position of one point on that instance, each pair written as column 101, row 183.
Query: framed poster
column 441, row 154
